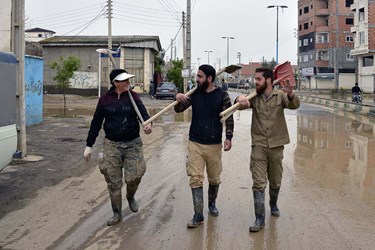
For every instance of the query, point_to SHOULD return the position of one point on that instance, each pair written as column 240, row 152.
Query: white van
column 8, row 130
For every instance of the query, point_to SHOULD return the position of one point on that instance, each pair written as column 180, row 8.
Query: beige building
column 136, row 54
column 364, row 42
column 38, row 34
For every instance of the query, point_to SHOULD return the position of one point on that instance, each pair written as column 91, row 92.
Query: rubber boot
column 259, row 211
column 274, row 194
column 131, row 188
column 198, row 208
column 116, row 202
column 212, row 195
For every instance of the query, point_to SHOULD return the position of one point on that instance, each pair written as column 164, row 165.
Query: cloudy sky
column 250, row 22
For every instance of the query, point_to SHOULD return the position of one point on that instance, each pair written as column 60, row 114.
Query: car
column 166, row 89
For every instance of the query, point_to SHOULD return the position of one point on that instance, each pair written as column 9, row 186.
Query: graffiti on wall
column 34, row 87
column 84, row 80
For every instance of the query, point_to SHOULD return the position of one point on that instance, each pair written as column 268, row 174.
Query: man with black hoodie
column 205, row 139
column 122, row 149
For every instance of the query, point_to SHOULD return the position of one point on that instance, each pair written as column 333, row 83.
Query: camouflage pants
column 119, row 156
column 266, row 163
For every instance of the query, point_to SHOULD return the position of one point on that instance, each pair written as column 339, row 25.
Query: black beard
column 261, row 89
column 202, row 86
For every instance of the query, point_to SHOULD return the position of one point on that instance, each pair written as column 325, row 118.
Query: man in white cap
column 122, row 150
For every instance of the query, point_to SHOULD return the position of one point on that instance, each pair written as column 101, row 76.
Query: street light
column 277, row 27
column 199, row 61
column 228, row 37
column 208, row 55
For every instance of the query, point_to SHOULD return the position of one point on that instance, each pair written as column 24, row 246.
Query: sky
column 250, row 22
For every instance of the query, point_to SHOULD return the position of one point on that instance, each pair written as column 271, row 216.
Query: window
column 322, row 55
column 300, row 12
column 311, row 7
column 362, row 38
column 349, row 21
column 305, row 26
column 300, row 27
column 306, row 10
column 322, row 38
column 299, row 43
column 349, row 39
column 40, row 35
column 368, row 61
column 311, row 40
column 348, row 3
column 305, row 42
column 349, row 57
column 311, row 23
column 305, row 58
column 321, row 143
column 300, row 58
column 361, row 15
column 311, row 56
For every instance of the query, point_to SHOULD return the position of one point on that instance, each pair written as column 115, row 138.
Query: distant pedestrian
column 269, row 134
column 123, row 149
column 356, row 94
column 205, row 139
column 224, row 85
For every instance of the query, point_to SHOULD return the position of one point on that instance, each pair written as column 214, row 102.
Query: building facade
column 324, row 44
column 364, row 42
column 38, row 34
column 136, row 54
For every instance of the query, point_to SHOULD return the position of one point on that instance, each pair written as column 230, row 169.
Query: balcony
column 322, row 12
column 354, row 29
column 354, row 6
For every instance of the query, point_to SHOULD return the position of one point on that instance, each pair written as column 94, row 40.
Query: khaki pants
column 201, row 156
column 266, row 163
column 119, row 156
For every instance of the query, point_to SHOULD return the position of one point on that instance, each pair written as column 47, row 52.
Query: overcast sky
column 249, row 21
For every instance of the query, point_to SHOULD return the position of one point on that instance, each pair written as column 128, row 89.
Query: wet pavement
column 326, row 199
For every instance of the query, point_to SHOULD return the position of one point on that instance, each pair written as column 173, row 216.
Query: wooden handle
column 248, row 97
column 151, row 119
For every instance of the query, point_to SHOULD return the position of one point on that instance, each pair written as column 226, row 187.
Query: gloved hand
column 87, row 154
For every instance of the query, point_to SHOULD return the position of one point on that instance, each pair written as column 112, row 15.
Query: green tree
column 65, row 68
column 271, row 64
column 174, row 74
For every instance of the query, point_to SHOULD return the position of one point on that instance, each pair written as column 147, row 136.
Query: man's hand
column 287, row 88
column 244, row 103
column 148, row 129
column 182, row 98
column 227, row 145
column 87, row 154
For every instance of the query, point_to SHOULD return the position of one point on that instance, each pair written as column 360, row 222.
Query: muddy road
column 326, row 199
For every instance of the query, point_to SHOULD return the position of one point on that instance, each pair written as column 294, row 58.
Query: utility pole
column 298, row 68
column 188, row 37
column 208, row 55
column 219, row 62
column 109, row 33
column 336, row 47
column 171, row 49
column 239, row 57
column 18, row 48
column 199, row 61
column 184, row 49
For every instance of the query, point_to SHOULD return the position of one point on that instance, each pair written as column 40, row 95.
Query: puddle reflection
column 335, row 148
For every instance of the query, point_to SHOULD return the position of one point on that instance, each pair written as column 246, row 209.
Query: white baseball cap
column 123, row 77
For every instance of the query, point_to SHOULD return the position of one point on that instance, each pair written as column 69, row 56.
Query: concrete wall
column 5, row 25
column 34, row 90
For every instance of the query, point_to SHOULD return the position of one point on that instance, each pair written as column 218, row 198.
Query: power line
column 124, row 11
column 171, row 12
column 144, row 19
column 69, row 12
column 170, row 5
column 154, row 24
column 144, row 8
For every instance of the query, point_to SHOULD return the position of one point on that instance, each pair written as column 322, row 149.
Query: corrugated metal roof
column 98, row 40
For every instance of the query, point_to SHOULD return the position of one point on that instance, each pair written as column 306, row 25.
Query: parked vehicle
column 166, row 89
column 8, row 131
column 243, row 84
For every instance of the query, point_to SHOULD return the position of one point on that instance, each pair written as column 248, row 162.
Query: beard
column 202, row 86
column 260, row 89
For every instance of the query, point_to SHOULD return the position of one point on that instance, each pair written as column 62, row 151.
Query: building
column 324, row 44
column 38, row 34
column 364, row 42
column 136, row 54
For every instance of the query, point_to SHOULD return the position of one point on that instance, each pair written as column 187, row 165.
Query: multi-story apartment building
column 364, row 42
column 325, row 42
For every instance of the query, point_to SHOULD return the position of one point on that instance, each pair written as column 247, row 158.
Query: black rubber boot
column 198, row 208
column 116, row 202
column 274, row 194
column 212, row 195
column 131, row 188
column 259, row 211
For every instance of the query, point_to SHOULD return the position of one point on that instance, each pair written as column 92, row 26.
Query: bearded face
column 260, row 83
column 202, row 86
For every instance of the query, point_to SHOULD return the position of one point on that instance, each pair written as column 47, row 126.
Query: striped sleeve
column 229, row 123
